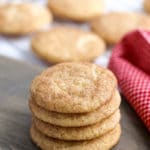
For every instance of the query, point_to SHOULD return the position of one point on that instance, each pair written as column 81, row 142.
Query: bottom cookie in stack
column 104, row 142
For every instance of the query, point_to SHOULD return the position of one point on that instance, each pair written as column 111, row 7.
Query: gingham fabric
column 130, row 62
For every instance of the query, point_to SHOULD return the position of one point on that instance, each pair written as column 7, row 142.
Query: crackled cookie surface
column 82, row 10
column 73, row 87
column 62, row 44
column 16, row 19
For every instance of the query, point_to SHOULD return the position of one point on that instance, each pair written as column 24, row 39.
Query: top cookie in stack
column 73, row 88
column 73, row 103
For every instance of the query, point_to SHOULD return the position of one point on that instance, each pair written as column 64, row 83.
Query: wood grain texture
column 15, row 118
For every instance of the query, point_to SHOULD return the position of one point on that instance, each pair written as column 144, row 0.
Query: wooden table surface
column 15, row 118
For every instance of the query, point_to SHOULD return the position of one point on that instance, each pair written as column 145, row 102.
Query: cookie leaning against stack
column 62, row 44
column 75, row 91
column 19, row 19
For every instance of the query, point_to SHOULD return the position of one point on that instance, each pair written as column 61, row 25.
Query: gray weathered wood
column 15, row 118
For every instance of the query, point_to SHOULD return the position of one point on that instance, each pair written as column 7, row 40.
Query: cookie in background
column 147, row 5
column 113, row 26
column 82, row 10
column 62, row 44
column 23, row 18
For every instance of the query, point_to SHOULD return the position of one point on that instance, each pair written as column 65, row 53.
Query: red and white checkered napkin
column 130, row 62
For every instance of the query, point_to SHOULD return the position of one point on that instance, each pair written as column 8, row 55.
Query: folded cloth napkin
column 130, row 62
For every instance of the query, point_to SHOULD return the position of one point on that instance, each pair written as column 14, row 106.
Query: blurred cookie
column 143, row 21
column 76, row 120
column 147, row 5
column 113, row 26
column 105, row 142
column 73, row 87
column 63, row 44
column 78, row 133
column 18, row 19
column 82, row 10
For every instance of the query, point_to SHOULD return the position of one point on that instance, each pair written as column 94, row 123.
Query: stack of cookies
column 75, row 106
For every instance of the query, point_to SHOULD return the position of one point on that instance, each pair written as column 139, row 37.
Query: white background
column 19, row 48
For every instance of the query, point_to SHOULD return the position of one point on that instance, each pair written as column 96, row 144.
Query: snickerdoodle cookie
column 78, row 133
column 23, row 18
column 147, row 5
column 76, row 120
column 113, row 26
column 82, row 10
column 62, row 44
column 73, row 87
column 104, row 142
